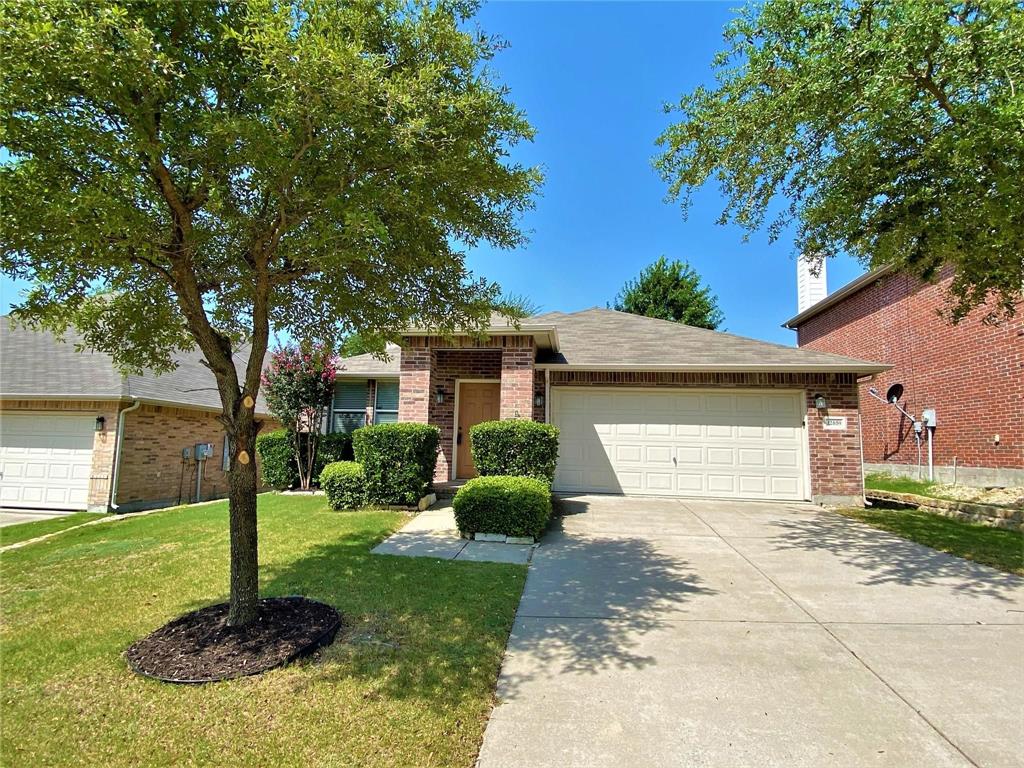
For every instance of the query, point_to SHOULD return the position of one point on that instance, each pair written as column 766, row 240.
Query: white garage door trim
column 46, row 459
column 719, row 443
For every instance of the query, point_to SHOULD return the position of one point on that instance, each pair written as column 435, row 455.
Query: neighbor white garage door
column 718, row 443
column 45, row 460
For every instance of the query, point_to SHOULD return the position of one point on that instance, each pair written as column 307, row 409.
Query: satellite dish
column 894, row 393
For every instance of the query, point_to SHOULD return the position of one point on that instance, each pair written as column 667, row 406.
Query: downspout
column 119, row 441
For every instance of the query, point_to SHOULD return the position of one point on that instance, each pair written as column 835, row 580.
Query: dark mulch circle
column 200, row 647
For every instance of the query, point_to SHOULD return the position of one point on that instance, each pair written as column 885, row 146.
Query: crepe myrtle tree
column 298, row 384
column 195, row 174
column 891, row 130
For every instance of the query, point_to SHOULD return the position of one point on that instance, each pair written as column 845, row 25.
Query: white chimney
column 810, row 287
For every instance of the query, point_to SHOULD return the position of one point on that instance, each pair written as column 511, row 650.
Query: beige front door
column 478, row 401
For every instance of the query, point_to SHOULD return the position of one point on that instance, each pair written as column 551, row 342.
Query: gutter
column 119, row 441
column 863, row 368
column 835, row 298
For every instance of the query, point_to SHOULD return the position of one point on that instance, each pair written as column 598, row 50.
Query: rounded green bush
column 344, row 483
column 515, row 447
column 513, row 506
column 277, row 456
column 398, row 460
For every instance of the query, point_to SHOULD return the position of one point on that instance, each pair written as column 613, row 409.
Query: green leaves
column 893, row 131
column 314, row 165
column 671, row 291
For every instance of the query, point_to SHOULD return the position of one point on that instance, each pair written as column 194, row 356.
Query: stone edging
column 1010, row 518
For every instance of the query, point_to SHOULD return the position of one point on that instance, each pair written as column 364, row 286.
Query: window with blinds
column 348, row 410
column 385, row 409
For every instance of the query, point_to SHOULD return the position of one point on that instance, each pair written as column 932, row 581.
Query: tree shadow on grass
column 889, row 559
column 414, row 628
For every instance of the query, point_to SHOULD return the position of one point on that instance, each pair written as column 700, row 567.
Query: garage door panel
column 697, row 443
column 46, row 459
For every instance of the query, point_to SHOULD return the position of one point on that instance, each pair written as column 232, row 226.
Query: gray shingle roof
column 603, row 338
column 369, row 366
column 35, row 364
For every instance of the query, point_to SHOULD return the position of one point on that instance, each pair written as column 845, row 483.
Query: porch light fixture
column 820, row 402
column 439, row 395
column 538, row 400
column 101, row 422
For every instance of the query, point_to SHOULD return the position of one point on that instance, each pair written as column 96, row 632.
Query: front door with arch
column 478, row 401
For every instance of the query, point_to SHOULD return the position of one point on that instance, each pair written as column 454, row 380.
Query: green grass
column 11, row 534
column 1002, row 549
column 882, row 481
column 409, row 682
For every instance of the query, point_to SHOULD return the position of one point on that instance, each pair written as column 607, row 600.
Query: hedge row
column 512, row 506
column 398, row 461
column 515, row 447
column 277, row 456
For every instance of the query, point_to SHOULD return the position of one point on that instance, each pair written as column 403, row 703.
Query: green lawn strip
column 11, row 534
column 410, row 681
column 999, row 548
column 882, row 481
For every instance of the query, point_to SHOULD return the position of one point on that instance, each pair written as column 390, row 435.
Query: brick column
column 517, row 382
column 835, row 454
column 414, row 386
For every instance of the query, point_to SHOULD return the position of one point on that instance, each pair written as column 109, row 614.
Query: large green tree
column 196, row 173
column 671, row 291
column 892, row 130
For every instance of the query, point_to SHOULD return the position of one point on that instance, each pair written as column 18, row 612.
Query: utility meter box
column 186, row 454
column 204, row 451
column 928, row 417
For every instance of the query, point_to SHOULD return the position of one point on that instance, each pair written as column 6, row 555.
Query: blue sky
column 592, row 78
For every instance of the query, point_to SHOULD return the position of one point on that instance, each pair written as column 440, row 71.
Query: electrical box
column 204, row 451
column 186, row 454
column 928, row 417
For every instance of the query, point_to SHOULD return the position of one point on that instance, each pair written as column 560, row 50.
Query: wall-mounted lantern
column 538, row 400
column 439, row 395
column 820, row 402
column 101, row 422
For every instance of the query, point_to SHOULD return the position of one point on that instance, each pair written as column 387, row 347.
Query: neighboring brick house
column 644, row 406
column 59, row 416
column 971, row 374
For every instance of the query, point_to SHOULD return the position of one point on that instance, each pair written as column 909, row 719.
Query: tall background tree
column 195, row 173
column 671, row 291
column 892, row 130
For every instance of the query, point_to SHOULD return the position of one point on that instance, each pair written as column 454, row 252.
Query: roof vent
column 810, row 282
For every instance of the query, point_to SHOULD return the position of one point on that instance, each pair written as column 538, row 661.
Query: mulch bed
column 200, row 647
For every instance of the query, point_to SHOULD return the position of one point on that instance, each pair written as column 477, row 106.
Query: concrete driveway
column 706, row 633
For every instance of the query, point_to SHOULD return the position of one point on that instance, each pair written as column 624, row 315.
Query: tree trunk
column 242, row 512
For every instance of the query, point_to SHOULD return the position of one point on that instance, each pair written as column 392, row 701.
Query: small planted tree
column 298, row 384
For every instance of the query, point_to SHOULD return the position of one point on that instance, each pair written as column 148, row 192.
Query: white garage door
column 719, row 443
column 45, row 460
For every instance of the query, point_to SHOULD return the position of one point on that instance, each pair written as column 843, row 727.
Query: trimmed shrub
column 344, row 483
column 513, row 506
column 277, row 456
column 515, row 447
column 277, row 459
column 398, row 460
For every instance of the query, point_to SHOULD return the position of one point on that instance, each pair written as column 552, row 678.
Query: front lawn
column 883, row 481
column 408, row 682
column 996, row 547
column 11, row 534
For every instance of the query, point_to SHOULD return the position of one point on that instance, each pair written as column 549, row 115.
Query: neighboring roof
column 35, row 364
column 368, row 366
column 603, row 339
column 834, row 298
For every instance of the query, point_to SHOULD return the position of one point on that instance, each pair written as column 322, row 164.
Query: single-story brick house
column 76, row 434
column 971, row 375
column 644, row 406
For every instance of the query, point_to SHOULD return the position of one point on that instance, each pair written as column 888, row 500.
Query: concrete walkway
column 433, row 534
column 732, row 634
column 15, row 516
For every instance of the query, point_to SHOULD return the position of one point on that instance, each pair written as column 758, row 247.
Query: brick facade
column 517, row 381
column 834, row 455
column 971, row 373
column 450, row 365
